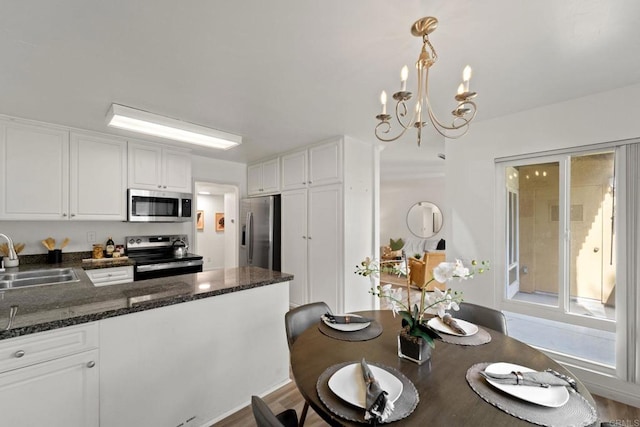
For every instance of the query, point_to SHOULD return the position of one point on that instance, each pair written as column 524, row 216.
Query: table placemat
column 479, row 338
column 577, row 412
column 403, row 407
column 370, row 332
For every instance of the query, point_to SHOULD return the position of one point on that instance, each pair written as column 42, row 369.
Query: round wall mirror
column 424, row 219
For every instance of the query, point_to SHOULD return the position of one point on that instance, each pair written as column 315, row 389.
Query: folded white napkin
column 378, row 407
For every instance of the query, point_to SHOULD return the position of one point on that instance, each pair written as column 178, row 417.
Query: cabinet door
column 60, row 393
column 98, row 184
column 294, row 243
column 254, row 179
column 34, row 182
column 176, row 171
column 145, row 165
column 294, row 170
column 325, row 246
column 271, row 176
column 325, row 163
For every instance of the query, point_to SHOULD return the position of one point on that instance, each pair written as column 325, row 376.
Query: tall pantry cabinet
column 327, row 222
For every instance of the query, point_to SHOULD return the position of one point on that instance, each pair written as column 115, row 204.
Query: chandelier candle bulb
column 404, row 74
column 466, row 76
column 383, row 101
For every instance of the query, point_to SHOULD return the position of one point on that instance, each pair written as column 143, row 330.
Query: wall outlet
column 91, row 236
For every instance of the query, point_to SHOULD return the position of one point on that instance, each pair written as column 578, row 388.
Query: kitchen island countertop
column 47, row 307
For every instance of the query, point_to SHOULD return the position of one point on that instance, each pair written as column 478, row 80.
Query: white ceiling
column 285, row 73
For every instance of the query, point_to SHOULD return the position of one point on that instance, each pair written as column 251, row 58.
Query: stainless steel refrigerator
column 260, row 232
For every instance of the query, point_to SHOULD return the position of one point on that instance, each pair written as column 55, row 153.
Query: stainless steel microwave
column 158, row 206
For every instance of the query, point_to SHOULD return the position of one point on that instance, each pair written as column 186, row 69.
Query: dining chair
column 296, row 321
column 483, row 316
column 266, row 418
column 299, row 319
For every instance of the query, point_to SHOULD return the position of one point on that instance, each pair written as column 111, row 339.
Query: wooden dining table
column 445, row 396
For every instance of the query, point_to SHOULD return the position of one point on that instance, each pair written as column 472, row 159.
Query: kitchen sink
column 48, row 276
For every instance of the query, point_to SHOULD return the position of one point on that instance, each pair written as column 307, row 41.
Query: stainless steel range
column 161, row 256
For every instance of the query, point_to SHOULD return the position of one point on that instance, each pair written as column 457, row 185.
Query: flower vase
column 412, row 348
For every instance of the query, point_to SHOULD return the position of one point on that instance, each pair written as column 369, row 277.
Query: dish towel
column 451, row 322
column 544, row 379
column 332, row 318
column 378, row 408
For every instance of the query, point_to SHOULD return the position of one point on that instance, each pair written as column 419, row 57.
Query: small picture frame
column 200, row 220
column 219, row 221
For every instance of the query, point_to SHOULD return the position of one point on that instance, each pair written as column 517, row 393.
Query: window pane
column 592, row 263
column 538, row 230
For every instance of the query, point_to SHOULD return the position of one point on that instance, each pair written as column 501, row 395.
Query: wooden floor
column 289, row 397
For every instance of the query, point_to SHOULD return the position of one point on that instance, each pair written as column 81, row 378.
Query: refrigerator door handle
column 249, row 238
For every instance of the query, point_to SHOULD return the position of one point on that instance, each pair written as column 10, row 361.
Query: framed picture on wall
column 200, row 220
column 219, row 221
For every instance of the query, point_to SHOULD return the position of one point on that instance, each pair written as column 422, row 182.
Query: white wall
column 397, row 197
column 211, row 243
column 469, row 210
column 471, row 196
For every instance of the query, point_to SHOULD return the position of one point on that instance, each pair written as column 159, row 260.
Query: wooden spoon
column 46, row 244
column 51, row 243
column 65, row 242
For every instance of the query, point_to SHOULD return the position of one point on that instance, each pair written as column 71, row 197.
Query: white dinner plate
column 553, row 397
column 437, row 324
column 346, row 327
column 348, row 384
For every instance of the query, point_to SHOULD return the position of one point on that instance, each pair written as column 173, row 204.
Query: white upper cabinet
column 325, row 163
column 49, row 177
column 294, row 170
column 34, row 183
column 263, row 178
column 98, row 175
column 317, row 165
column 153, row 167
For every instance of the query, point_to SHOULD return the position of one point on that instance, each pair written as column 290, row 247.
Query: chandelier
column 463, row 114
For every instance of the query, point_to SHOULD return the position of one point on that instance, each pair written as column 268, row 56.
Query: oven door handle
column 167, row 265
column 249, row 238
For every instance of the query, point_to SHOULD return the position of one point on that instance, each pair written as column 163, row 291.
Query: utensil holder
column 54, row 256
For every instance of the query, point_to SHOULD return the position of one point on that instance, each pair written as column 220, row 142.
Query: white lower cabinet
column 46, row 380
column 294, row 236
column 312, row 244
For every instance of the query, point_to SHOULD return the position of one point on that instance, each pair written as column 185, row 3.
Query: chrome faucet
column 12, row 251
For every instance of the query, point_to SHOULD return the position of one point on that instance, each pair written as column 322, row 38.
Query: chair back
column 483, row 316
column 299, row 319
column 265, row 418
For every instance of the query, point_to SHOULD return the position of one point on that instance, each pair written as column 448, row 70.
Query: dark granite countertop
column 42, row 308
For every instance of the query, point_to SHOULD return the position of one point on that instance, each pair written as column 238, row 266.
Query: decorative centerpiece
column 415, row 341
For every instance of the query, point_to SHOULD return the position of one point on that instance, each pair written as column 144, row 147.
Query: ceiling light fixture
column 463, row 114
column 140, row 121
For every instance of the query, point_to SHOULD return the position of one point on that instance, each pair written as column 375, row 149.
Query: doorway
column 216, row 230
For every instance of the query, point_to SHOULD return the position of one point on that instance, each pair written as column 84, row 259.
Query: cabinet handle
column 91, row 364
column 164, row 186
column 19, row 353
column 309, row 237
column 64, row 214
column 72, row 215
column 304, row 237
